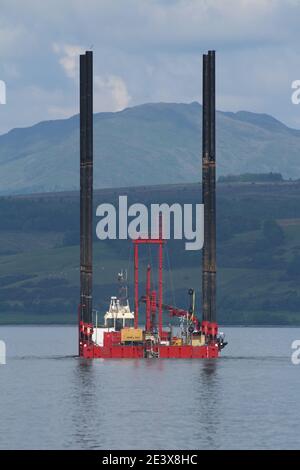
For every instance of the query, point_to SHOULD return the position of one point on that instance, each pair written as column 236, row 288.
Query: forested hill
column 258, row 254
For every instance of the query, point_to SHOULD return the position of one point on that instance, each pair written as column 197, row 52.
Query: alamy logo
column 296, row 354
column 2, row 353
column 188, row 222
column 2, row 92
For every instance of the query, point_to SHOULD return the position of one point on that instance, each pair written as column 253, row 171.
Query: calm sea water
column 250, row 398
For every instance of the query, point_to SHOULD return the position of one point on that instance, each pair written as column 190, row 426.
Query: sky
column 147, row 51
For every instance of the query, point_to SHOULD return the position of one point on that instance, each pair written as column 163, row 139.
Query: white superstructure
column 118, row 316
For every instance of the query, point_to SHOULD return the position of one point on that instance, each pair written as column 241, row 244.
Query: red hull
column 91, row 351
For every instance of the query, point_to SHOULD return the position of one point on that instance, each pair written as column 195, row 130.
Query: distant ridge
column 154, row 143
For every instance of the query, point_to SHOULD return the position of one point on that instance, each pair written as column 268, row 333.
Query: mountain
column 152, row 143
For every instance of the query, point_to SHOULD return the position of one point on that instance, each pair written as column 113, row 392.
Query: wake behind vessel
column 120, row 335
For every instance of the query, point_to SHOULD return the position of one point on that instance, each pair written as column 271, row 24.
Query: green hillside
column 258, row 254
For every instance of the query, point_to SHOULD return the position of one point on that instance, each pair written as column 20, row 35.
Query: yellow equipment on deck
column 131, row 335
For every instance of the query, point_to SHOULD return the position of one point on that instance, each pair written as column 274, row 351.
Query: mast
column 86, row 186
column 209, row 194
column 212, row 183
column 205, row 191
column 148, row 299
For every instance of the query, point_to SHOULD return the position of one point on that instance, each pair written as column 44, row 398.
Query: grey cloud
column 147, row 50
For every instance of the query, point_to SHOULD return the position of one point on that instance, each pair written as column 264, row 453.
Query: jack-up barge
column 120, row 336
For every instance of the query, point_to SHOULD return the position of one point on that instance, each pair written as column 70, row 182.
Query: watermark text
column 180, row 222
column 2, row 92
column 295, row 358
column 2, row 353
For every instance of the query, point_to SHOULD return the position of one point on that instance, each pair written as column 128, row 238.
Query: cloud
column 34, row 104
column 110, row 93
column 14, row 40
column 69, row 57
column 61, row 112
column 147, row 50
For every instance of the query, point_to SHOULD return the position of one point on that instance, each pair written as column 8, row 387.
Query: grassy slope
column 53, row 261
column 40, row 256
